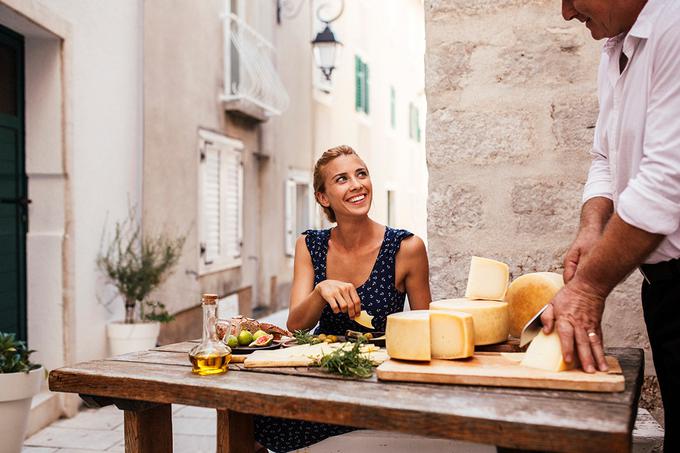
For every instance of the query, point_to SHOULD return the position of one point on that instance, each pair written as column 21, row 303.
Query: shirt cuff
column 647, row 211
column 597, row 189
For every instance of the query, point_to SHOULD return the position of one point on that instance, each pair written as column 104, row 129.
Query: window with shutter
column 300, row 208
column 361, row 85
column 221, row 203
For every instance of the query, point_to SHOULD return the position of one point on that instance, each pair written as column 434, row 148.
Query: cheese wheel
column 452, row 335
column 545, row 353
column 407, row 335
column 490, row 318
column 487, row 279
column 528, row 294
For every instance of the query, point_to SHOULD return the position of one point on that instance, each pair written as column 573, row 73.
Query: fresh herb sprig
column 349, row 362
column 14, row 355
column 304, row 337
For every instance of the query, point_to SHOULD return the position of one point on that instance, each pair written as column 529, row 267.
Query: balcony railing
column 252, row 84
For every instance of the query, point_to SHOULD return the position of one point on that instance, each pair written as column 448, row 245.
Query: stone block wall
column 511, row 92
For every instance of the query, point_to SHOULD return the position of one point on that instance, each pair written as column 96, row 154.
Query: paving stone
column 38, row 450
column 74, row 438
column 103, row 419
column 195, row 426
column 195, row 412
column 194, row 444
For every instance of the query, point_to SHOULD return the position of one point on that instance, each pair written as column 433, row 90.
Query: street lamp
column 325, row 47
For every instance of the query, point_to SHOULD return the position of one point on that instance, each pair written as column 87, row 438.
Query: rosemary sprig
column 349, row 362
column 304, row 337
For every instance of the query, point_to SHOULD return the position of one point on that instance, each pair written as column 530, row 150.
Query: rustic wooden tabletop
column 145, row 384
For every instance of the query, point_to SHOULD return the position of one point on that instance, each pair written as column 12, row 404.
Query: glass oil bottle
column 211, row 356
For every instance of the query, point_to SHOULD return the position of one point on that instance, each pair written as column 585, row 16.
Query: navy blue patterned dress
column 379, row 297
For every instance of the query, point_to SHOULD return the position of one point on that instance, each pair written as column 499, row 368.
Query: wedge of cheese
column 364, row 319
column 490, row 318
column 545, row 353
column 528, row 294
column 407, row 335
column 487, row 280
column 452, row 335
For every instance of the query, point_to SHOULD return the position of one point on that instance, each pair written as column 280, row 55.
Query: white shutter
column 231, row 196
column 291, row 210
column 212, row 240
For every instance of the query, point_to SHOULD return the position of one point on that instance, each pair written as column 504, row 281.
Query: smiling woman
column 359, row 265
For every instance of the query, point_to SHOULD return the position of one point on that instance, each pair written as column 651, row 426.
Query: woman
column 357, row 265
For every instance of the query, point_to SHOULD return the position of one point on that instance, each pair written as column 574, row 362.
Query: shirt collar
column 642, row 27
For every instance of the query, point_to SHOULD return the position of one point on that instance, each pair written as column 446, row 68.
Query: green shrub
column 14, row 355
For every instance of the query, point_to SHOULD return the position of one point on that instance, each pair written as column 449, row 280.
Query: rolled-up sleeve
column 651, row 200
column 599, row 183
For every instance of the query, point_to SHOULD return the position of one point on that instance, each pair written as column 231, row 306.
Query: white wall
column 105, row 101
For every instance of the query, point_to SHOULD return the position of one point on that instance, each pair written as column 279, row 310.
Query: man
column 631, row 212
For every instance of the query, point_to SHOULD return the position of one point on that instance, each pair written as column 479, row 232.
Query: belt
column 665, row 270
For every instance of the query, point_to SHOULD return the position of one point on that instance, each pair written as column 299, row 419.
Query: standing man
column 631, row 213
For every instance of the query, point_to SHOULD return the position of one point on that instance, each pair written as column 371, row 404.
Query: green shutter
column 417, row 124
column 358, row 88
column 366, row 87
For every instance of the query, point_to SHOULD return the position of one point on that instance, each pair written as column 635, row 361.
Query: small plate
column 248, row 349
column 293, row 342
column 376, row 341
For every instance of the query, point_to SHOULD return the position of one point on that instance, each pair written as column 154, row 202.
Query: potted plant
column 135, row 265
column 20, row 380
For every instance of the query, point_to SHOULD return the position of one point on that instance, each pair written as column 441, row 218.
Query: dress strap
column 393, row 238
column 317, row 244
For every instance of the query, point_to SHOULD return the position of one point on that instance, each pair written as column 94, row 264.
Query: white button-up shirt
column 636, row 149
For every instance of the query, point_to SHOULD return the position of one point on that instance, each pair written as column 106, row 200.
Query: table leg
column 149, row 430
column 235, row 432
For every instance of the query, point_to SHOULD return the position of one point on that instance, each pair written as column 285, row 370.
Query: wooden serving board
column 297, row 356
column 501, row 370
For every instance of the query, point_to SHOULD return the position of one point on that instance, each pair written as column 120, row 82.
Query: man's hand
column 577, row 314
column 584, row 243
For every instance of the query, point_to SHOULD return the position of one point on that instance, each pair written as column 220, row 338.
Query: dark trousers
column 661, row 305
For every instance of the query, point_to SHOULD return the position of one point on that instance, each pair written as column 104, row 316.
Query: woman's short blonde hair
column 326, row 157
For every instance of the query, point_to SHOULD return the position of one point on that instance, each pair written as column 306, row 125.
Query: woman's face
column 348, row 188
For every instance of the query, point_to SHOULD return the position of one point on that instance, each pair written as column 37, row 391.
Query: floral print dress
column 379, row 297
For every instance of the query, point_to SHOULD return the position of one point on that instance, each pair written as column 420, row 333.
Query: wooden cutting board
column 501, row 370
column 303, row 355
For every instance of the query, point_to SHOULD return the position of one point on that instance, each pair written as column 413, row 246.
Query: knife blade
column 532, row 328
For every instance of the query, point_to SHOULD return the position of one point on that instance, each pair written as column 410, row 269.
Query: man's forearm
column 621, row 249
column 595, row 213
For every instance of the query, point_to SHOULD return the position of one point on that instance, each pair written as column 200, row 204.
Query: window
column 221, row 202
column 414, row 122
column 361, row 90
column 300, row 208
column 391, row 208
column 393, row 108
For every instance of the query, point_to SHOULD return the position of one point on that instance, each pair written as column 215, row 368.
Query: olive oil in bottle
column 211, row 356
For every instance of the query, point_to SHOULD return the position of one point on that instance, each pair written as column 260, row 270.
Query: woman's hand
column 341, row 296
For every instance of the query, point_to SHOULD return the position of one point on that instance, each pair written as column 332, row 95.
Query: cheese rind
column 528, row 294
column 487, row 279
column 545, row 353
column 407, row 335
column 490, row 318
column 452, row 335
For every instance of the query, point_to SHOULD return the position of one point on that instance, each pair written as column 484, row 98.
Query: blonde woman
column 357, row 265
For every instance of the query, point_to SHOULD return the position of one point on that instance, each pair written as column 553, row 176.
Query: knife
column 532, row 328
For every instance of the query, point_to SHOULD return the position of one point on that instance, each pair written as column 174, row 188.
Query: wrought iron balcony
column 252, row 86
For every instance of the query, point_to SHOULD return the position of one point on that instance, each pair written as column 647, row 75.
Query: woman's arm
column 307, row 301
column 412, row 263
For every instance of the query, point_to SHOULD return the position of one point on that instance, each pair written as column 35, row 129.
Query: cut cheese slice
column 490, row 318
column 528, row 294
column 407, row 335
column 545, row 353
column 452, row 335
column 364, row 319
column 487, row 280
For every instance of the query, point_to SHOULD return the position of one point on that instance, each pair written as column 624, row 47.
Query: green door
column 13, row 185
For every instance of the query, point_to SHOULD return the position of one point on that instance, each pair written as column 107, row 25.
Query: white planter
column 124, row 338
column 16, row 393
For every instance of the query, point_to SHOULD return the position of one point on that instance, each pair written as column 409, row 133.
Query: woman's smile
column 357, row 199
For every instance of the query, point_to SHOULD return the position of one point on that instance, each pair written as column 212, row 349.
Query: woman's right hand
column 341, row 296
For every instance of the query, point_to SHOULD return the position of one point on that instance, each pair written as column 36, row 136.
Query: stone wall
column 511, row 92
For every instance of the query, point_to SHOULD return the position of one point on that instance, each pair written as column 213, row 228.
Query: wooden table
column 145, row 384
